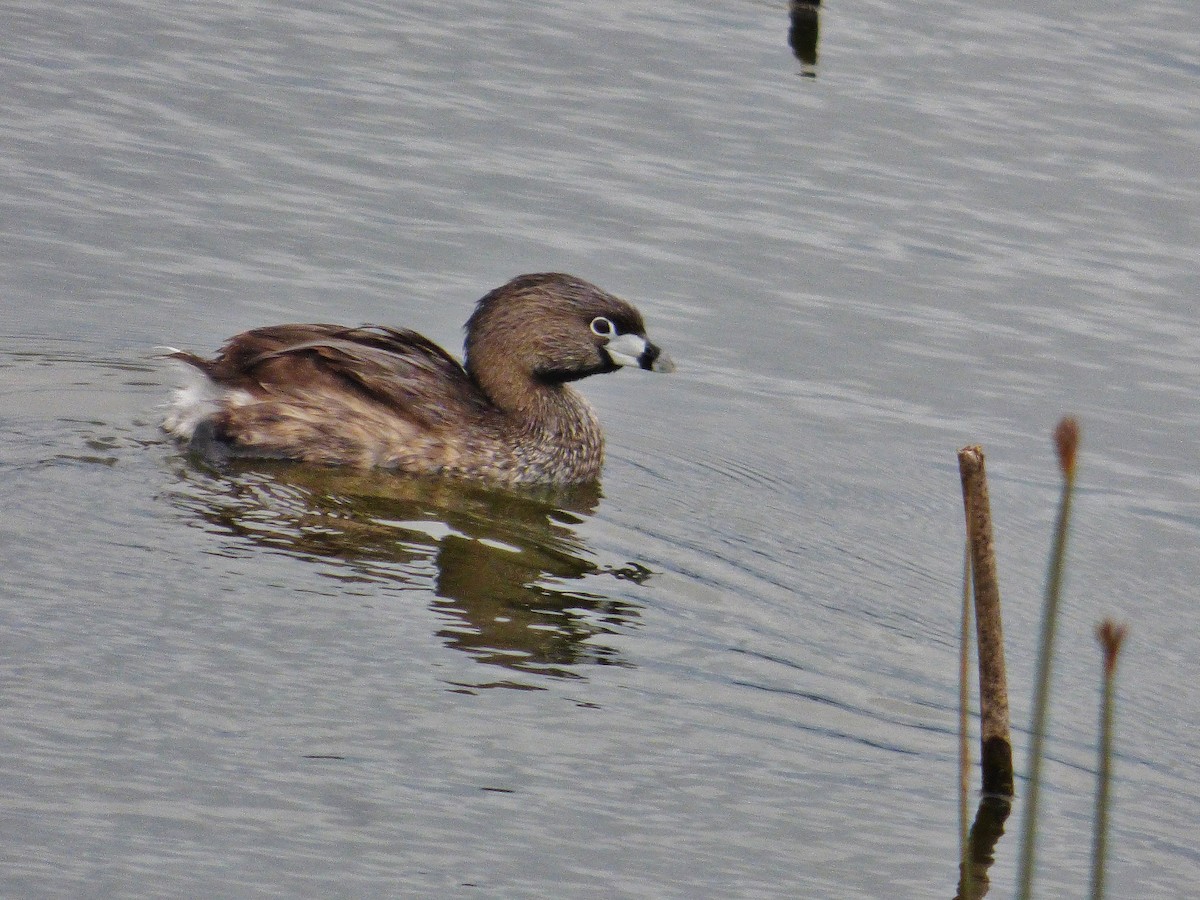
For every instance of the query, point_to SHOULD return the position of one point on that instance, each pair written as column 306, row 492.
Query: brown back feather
column 396, row 368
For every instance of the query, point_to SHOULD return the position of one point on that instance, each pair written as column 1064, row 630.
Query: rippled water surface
column 731, row 672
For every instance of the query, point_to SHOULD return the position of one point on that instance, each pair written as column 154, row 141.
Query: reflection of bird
column 389, row 398
column 512, row 581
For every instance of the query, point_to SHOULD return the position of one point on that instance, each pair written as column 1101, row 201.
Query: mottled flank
column 383, row 397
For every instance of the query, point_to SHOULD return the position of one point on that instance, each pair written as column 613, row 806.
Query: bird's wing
column 396, row 368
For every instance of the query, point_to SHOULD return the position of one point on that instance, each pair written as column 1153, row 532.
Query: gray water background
column 733, row 675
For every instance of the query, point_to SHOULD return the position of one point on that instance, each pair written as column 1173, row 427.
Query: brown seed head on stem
column 1066, row 441
column 1111, row 635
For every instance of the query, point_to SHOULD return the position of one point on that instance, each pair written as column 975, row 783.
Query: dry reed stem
column 994, row 737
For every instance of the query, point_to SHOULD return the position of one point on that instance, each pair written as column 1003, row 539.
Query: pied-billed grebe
column 382, row 397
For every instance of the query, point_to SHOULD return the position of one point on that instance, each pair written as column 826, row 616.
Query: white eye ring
column 602, row 327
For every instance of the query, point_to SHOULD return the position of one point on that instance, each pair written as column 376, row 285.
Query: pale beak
column 635, row 350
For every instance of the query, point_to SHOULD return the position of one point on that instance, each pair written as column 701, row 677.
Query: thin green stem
column 1045, row 665
column 1110, row 635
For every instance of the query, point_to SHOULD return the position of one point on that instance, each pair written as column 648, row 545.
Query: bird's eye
column 602, row 327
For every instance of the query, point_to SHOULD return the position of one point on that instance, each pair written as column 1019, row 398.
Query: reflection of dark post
column 981, row 848
column 805, row 30
column 994, row 739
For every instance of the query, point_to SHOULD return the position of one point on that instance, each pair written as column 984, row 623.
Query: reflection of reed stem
column 1066, row 437
column 1111, row 636
column 974, row 880
column 994, row 739
column 964, row 744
